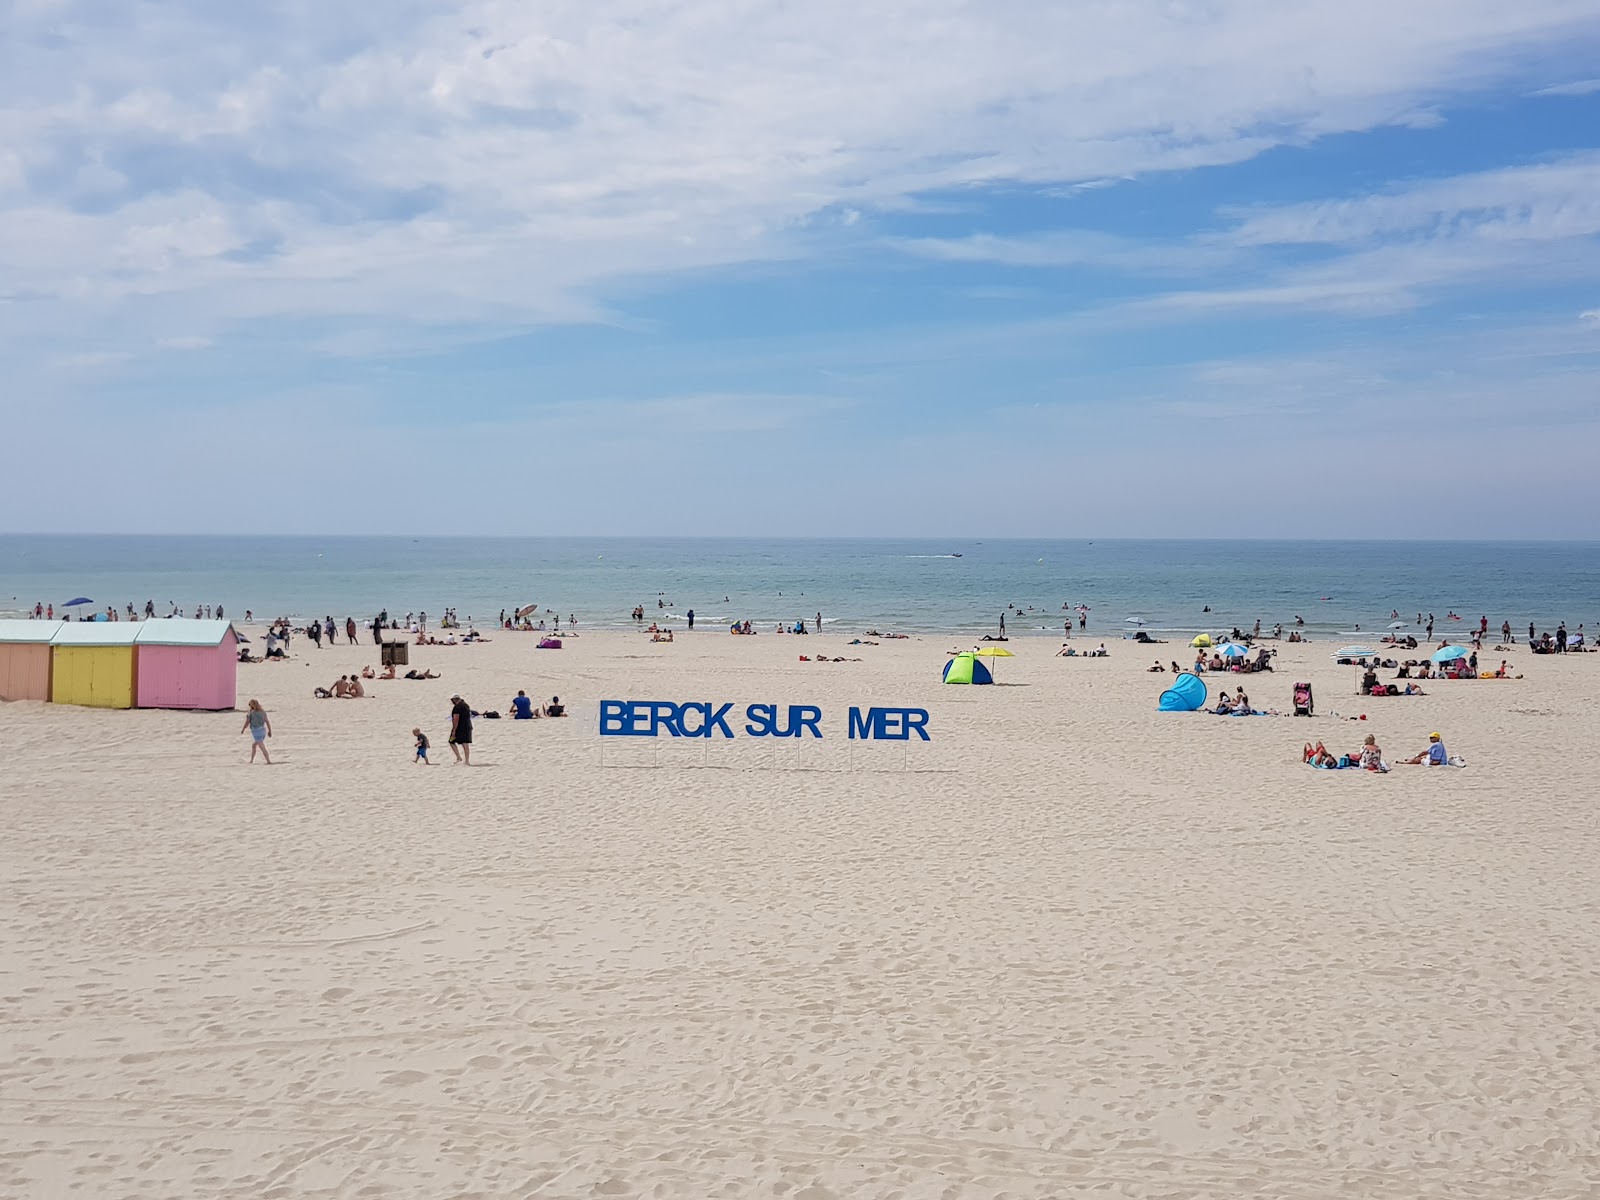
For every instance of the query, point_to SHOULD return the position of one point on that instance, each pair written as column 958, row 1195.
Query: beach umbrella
column 994, row 652
column 526, row 609
column 1235, row 651
column 1201, row 641
column 1355, row 652
column 78, row 601
column 1448, row 654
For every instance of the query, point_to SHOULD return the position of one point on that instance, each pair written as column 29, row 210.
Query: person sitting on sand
column 1241, row 702
column 1435, row 755
column 555, row 708
column 1371, row 757
column 367, row 673
column 356, row 692
column 1066, row 651
column 388, row 672
column 1157, row 667
column 1224, row 705
column 522, row 708
column 341, row 688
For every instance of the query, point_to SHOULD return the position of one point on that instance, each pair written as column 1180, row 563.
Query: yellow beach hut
column 92, row 663
column 25, row 659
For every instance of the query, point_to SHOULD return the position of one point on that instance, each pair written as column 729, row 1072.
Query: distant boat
column 955, row 556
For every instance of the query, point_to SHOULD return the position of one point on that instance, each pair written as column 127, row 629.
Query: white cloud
column 1590, row 318
column 1545, row 201
column 495, row 161
column 1580, row 87
column 1069, row 248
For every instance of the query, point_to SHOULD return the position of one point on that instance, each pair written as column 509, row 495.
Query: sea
column 956, row 585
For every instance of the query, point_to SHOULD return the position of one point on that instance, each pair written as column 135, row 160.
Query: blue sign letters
column 704, row 719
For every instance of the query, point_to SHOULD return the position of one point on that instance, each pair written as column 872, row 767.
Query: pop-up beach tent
column 92, row 663
column 187, row 664
column 1187, row 693
column 965, row 668
column 25, row 659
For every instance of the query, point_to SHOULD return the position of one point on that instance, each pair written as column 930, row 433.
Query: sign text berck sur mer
column 706, row 719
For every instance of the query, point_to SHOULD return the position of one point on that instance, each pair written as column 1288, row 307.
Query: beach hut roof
column 183, row 631
column 37, row 633
column 96, row 633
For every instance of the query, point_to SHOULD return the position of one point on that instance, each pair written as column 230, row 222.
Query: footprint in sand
column 403, row 1078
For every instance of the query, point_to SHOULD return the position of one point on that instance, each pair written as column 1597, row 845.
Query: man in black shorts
column 461, row 730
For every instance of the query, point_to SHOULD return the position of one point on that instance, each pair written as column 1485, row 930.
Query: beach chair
column 1303, row 704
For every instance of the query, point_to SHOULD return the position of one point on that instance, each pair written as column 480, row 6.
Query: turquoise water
column 857, row 584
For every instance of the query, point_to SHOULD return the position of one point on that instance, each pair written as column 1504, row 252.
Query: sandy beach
column 1071, row 946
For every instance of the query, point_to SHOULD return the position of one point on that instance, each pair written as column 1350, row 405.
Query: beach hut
column 25, row 659
column 92, row 663
column 187, row 664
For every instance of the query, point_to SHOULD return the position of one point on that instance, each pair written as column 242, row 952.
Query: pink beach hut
column 187, row 664
column 25, row 659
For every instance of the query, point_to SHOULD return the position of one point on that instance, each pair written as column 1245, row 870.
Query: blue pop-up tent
column 1187, row 694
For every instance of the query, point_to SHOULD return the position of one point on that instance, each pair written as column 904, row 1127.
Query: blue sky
column 1143, row 269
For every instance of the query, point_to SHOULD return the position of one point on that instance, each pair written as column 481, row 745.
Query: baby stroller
column 1303, row 704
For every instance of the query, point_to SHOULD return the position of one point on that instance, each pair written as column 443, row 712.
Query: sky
column 1320, row 268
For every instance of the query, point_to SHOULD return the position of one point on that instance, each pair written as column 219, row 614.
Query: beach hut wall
column 187, row 664
column 92, row 663
column 25, row 659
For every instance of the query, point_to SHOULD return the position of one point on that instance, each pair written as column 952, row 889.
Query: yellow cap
column 1434, row 736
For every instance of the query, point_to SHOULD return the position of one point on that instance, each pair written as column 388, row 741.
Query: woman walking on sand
column 255, row 720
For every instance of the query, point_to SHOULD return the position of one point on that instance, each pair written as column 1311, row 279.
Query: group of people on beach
column 1370, row 756
column 462, row 716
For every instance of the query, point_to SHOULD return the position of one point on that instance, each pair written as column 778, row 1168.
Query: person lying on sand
column 415, row 674
column 1157, row 667
column 367, row 673
column 1318, row 756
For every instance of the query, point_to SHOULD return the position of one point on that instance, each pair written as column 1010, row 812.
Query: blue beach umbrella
column 1448, row 654
column 78, row 601
column 1235, row 651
